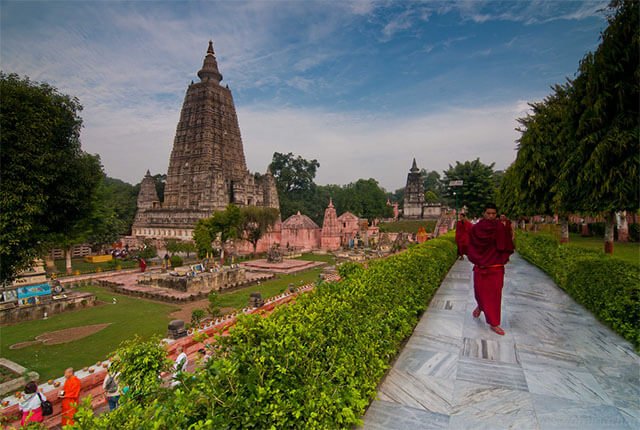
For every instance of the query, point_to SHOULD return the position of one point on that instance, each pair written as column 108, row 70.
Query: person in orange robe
column 462, row 235
column 490, row 245
column 70, row 397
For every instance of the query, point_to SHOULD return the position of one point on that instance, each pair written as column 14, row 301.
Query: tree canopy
column 48, row 182
column 477, row 188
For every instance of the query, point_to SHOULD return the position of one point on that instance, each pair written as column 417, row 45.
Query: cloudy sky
column 362, row 86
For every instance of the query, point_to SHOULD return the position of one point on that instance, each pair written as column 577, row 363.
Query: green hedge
column 607, row 286
column 314, row 364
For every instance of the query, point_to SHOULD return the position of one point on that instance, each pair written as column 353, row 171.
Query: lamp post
column 455, row 196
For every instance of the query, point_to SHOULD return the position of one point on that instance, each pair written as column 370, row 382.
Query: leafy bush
column 197, row 315
column 634, row 232
column 176, row 261
column 607, row 286
column 314, row 364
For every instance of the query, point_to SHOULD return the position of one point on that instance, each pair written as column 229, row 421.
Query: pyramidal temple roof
column 299, row 221
column 209, row 71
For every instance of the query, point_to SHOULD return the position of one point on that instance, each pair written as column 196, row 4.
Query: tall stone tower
column 330, row 237
column 413, row 194
column 207, row 168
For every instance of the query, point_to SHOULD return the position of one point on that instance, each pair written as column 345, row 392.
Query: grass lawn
column 326, row 258
column 130, row 316
column 407, row 226
column 240, row 299
column 83, row 267
column 629, row 251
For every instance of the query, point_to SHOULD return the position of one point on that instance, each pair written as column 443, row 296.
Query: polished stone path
column 556, row 368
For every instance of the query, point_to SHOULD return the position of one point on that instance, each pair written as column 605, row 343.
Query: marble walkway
column 556, row 368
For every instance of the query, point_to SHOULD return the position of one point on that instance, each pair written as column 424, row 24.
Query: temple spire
column 209, row 71
column 414, row 167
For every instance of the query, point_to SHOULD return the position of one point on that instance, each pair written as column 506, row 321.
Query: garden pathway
column 556, row 368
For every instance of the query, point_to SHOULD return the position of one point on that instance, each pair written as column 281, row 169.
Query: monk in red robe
column 490, row 245
column 463, row 227
column 70, row 395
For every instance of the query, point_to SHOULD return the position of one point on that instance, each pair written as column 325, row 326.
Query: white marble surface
column 556, row 368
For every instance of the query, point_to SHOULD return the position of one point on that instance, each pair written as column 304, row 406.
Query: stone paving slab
column 556, row 368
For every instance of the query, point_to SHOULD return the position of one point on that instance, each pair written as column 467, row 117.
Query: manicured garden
column 81, row 267
column 240, row 298
column 313, row 364
column 608, row 286
column 628, row 251
column 130, row 316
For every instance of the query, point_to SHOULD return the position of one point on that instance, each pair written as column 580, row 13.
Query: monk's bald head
column 68, row 373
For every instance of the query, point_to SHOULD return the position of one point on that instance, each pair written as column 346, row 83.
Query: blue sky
column 362, row 86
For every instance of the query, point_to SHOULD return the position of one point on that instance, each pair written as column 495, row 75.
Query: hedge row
column 607, row 286
column 315, row 364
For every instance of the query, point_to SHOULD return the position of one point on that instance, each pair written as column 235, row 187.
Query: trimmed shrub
column 176, row 261
column 313, row 364
column 607, row 286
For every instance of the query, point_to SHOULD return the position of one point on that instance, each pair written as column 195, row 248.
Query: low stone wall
column 26, row 313
column 18, row 383
column 202, row 281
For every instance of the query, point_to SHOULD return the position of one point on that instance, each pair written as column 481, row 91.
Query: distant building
column 414, row 201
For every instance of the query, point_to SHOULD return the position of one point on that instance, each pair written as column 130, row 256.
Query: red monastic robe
column 462, row 236
column 70, row 401
column 490, row 245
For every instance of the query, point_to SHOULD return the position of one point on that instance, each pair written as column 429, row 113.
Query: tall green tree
column 221, row 226
column 294, row 178
column 255, row 222
column 122, row 197
column 432, row 182
column 48, row 182
column 364, row 198
column 604, row 166
column 477, row 188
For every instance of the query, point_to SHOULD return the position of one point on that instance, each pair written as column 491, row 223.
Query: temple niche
column 207, row 168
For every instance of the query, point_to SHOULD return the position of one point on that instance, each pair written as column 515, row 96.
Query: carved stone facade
column 207, row 168
column 330, row 239
column 413, row 194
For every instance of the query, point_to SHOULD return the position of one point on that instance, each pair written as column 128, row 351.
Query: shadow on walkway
column 556, row 368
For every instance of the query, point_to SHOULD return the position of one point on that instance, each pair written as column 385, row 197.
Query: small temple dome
column 298, row 222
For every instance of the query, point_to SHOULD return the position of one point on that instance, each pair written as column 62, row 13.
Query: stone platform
column 128, row 285
column 284, row 267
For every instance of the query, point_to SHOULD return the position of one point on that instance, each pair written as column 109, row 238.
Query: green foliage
column 314, row 364
column 48, row 182
column 478, row 187
column 433, row 183
column 431, row 197
column 197, row 315
column 148, row 251
column 364, row 198
column 222, row 225
column 634, row 232
column 578, row 150
column 255, row 222
column 176, row 261
column 607, row 286
column 140, row 363
column 122, row 197
column 214, row 304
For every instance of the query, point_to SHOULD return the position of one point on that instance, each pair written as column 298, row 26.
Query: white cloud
column 351, row 146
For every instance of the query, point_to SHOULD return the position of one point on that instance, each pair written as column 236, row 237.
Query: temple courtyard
column 557, row 367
